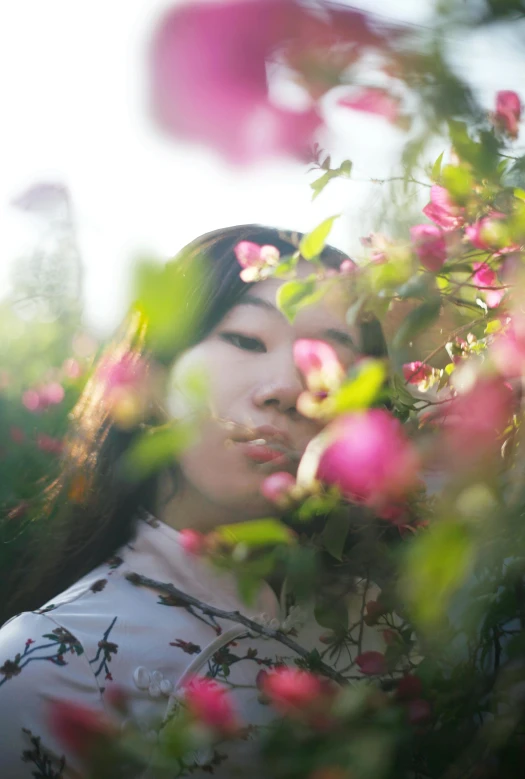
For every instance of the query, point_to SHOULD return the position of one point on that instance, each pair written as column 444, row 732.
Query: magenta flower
column 276, row 488
column 257, row 262
column 192, row 541
column 442, row 211
column 477, row 420
column 416, row 372
column 369, row 458
column 80, row 728
column 210, row 704
column 485, row 278
column 31, row 400
column 319, row 364
column 430, row 247
column 372, row 663
column 508, row 112
column 51, row 394
column 292, row 690
column 209, row 79
column 373, row 101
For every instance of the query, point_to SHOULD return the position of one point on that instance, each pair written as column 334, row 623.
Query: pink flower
column 442, row 211
column 369, row 458
column 192, row 541
column 429, row 245
column 409, row 687
column 508, row 112
column 211, row 705
column 31, row 400
column 319, row 364
column 478, row 417
column 127, row 370
column 72, row 368
column 276, row 488
column 48, row 444
column 209, row 80
column 372, row 663
column 51, row 394
column 257, row 262
column 290, row 689
column 373, row 101
column 17, row 435
column 508, row 350
column 416, row 372
column 79, row 728
column 486, row 232
column 484, row 277
column 374, row 610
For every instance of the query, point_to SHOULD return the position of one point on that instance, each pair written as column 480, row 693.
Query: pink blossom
column 256, row 261
column 192, row 541
column 47, row 443
column 209, row 81
column 508, row 112
column 409, row 687
column 31, row 400
column 51, row 394
column 418, row 711
column 484, row 277
column 290, row 689
column 429, row 245
column 416, row 372
column 507, row 351
column 319, row 364
column 127, row 370
column 485, row 233
column 374, row 610
column 369, row 458
column 71, row 368
column 276, row 488
column 348, row 266
column 478, row 417
column 211, row 705
column 372, row 663
column 442, row 211
column 373, row 101
column 79, row 728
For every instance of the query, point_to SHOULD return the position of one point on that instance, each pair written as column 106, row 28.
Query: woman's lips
column 262, row 453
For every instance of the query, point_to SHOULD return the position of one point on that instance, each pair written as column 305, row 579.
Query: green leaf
column 436, row 168
column 458, row 181
column 319, row 184
column 331, row 614
column 295, row 295
column 360, row 392
column 170, row 298
column 256, row 533
column 313, row 244
column 417, row 321
column 493, row 327
column 155, row 449
column 334, row 534
column 436, row 563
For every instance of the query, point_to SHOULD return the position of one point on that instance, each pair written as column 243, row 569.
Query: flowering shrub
column 445, row 696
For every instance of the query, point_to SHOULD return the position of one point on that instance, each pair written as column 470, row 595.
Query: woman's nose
column 279, row 389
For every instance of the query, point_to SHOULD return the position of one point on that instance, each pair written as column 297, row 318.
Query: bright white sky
column 72, row 100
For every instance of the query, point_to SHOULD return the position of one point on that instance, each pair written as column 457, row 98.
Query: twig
column 234, row 616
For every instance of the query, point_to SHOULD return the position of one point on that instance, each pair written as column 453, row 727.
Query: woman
column 86, row 628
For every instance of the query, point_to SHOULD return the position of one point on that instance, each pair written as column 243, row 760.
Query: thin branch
column 233, row 616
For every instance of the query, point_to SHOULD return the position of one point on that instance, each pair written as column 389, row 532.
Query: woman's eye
column 244, row 342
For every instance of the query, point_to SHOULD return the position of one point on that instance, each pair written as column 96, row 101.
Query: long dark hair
column 89, row 511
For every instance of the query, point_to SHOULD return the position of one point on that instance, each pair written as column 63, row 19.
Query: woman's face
column 253, row 386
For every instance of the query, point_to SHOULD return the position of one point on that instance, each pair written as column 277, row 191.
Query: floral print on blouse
column 106, row 631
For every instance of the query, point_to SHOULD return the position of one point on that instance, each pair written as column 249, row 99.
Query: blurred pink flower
column 409, row 687
column 484, row 233
column 17, row 435
column 47, row 443
column 211, row 705
column 369, row 458
column 72, row 368
column 291, row 690
column 416, row 372
column 192, row 541
column 31, row 400
column 319, row 364
column 442, row 211
column 276, row 488
column 485, row 277
column 430, row 247
column 209, row 79
column 127, row 370
column 477, row 419
column 507, row 351
column 51, row 394
column 372, row 663
column 373, row 101
column 79, row 728
column 508, row 112
column 257, row 262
